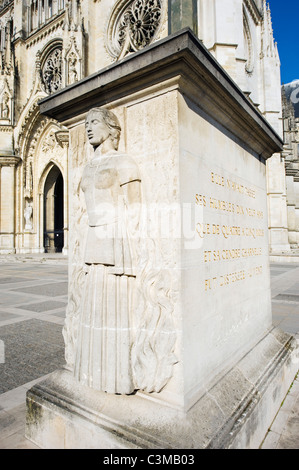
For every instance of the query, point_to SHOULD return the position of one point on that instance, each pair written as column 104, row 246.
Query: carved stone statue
column 72, row 69
column 134, row 26
column 111, row 185
column 5, row 111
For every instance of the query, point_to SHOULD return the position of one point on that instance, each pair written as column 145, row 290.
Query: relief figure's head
column 102, row 126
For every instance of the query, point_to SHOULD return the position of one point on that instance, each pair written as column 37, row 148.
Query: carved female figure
column 111, row 185
column 5, row 107
column 28, row 216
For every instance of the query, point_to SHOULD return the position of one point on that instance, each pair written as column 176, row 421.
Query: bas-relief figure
column 5, row 111
column 119, row 332
column 111, row 185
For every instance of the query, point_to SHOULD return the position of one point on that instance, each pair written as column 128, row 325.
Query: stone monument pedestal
column 235, row 413
column 209, row 369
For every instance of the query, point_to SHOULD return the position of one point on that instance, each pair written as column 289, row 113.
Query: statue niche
column 28, row 211
column 72, row 69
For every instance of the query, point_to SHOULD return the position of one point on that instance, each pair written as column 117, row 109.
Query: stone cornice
column 11, row 160
column 62, row 137
column 292, row 167
column 52, row 25
column 183, row 58
column 6, row 128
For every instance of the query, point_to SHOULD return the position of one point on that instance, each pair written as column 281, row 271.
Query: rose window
column 134, row 27
column 52, row 71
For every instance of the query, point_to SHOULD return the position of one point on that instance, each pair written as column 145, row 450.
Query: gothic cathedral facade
column 47, row 45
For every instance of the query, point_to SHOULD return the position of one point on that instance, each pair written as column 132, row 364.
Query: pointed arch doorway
column 54, row 211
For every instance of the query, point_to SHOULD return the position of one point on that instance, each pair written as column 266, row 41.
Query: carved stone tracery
column 52, row 71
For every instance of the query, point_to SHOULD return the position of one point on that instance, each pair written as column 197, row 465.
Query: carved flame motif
column 152, row 352
column 138, row 25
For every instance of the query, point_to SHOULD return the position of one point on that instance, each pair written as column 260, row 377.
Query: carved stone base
column 236, row 411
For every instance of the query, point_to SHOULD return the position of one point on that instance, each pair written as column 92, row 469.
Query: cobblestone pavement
column 33, row 298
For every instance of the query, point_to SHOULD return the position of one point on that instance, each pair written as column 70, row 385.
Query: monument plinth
column 174, row 348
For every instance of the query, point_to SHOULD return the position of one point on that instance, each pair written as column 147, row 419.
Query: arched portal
column 54, row 212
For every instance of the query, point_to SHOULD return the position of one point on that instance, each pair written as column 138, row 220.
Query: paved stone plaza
column 33, row 298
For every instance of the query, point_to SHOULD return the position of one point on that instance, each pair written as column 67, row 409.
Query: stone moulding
column 254, row 11
column 5, row 6
column 9, row 160
column 198, row 75
column 6, row 128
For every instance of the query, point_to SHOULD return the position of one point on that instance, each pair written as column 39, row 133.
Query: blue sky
column 285, row 19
